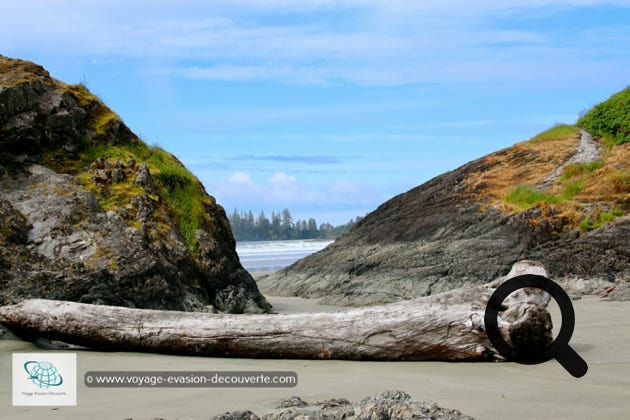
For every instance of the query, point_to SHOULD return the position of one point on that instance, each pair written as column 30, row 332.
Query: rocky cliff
column 90, row 213
column 561, row 198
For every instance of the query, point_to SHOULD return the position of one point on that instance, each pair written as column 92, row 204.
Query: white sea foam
column 264, row 256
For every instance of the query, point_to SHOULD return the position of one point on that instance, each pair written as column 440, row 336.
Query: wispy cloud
column 380, row 43
column 284, row 103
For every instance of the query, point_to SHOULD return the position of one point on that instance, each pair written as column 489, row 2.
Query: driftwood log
column 448, row 326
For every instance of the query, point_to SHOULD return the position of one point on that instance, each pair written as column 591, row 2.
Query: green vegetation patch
column 590, row 223
column 578, row 169
column 177, row 189
column 182, row 191
column 558, row 131
column 100, row 117
column 610, row 120
column 177, row 194
column 525, row 197
column 621, row 182
column 574, row 177
column 573, row 188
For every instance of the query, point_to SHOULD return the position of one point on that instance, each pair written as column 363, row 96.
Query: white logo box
column 45, row 379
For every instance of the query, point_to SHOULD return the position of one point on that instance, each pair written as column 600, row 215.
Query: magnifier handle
column 571, row 361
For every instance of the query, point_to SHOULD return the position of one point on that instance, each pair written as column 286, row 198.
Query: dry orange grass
column 526, row 163
column 611, row 183
column 580, row 195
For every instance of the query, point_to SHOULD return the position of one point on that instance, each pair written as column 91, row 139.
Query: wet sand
column 483, row 390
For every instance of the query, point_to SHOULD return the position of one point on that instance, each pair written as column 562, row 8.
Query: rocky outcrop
column 385, row 405
column 89, row 213
column 468, row 227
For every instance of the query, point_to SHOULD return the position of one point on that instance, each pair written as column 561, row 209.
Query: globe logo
column 43, row 374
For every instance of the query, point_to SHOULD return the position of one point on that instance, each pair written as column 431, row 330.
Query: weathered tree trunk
column 448, row 326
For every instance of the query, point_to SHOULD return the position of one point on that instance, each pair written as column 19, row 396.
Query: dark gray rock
column 438, row 237
column 143, row 178
column 399, row 405
column 389, row 405
column 6, row 334
column 230, row 287
column 118, row 175
column 62, row 237
column 144, row 208
column 79, row 252
column 13, row 225
column 236, row 415
column 294, row 401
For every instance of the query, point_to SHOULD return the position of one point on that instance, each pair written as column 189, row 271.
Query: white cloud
column 240, row 178
column 282, row 190
column 280, row 179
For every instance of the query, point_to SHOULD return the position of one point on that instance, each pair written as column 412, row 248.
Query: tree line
column 246, row 227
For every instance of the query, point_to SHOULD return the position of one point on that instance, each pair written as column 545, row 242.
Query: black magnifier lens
column 559, row 349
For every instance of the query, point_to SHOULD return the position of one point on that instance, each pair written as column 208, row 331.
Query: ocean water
column 268, row 256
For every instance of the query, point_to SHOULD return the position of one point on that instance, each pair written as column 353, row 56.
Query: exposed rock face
column 385, row 405
column 103, row 230
column 457, row 230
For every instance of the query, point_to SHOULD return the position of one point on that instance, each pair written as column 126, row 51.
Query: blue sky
column 329, row 107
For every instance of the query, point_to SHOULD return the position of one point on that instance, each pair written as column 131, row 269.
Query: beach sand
column 482, row 390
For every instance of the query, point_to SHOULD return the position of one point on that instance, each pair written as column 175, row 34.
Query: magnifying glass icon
column 559, row 349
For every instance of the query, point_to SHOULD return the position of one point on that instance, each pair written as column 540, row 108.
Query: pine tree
column 282, row 227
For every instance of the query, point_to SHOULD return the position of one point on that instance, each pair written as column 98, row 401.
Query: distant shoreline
column 270, row 256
